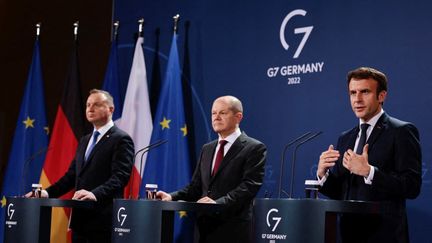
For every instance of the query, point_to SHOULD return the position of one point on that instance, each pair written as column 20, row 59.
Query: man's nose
column 358, row 97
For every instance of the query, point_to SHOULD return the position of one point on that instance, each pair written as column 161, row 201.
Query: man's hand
column 206, row 200
column 84, row 195
column 44, row 194
column 163, row 196
column 327, row 159
column 357, row 163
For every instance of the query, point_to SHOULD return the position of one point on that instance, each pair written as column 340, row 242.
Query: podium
column 28, row 220
column 303, row 220
column 150, row 221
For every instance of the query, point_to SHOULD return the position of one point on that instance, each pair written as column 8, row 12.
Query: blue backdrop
column 239, row 48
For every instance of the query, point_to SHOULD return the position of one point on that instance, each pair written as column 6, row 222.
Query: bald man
column 230, row 171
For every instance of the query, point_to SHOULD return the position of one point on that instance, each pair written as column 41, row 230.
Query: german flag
column 69, row 126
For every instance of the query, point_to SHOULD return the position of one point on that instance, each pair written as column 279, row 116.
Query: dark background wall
column 228, row 47
column 17, row 35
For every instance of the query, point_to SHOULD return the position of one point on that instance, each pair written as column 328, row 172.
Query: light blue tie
column 95, row 137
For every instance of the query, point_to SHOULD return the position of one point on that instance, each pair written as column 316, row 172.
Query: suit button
column 208, row 192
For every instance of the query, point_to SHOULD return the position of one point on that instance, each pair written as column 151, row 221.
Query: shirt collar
column 232, row 137
column 102, row 130
column 372, row 122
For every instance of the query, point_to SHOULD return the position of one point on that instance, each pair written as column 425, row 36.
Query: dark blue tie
column 95, row 137
column 363, row 138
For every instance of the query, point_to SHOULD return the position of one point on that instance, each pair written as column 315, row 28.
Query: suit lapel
column 105, row 138
column 207, row 159
column 83, row 148
column 352, row 138
column 379, row 127
column 232, row 152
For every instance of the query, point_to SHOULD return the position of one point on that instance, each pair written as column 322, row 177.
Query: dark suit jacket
column 235, row 184
column 394, row 151
column 105, row 174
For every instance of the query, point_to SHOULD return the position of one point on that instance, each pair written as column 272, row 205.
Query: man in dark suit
column 381, row 162
column 99, row 171
column 230, row 171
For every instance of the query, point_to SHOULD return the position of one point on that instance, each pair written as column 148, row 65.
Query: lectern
column 303, row 220
column 150, row 221
column 28, row 220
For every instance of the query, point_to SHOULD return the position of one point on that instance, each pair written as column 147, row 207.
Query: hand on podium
column 35, row 194
column 206, row 200
column 84, row 195
column 163, row 196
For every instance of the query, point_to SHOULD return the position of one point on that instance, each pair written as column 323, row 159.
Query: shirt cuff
column 368, row 180
column 323, row 179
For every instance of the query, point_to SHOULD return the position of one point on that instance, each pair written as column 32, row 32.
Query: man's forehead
column 362, row 83
column 96, row 99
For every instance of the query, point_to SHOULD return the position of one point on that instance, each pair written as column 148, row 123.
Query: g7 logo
column 306, row 30
column 122, row 216
column 10, row 211
column 277, row 219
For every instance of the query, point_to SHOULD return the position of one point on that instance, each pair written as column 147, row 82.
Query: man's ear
column 382, row 96
column 239, row 116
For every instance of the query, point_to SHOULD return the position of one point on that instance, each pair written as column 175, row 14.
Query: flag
column 112, row 82
column 136, row 117
column 68, row 128
column 169, row 165
column 30, row 141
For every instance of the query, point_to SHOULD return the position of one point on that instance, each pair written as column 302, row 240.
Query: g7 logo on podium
column 10, row 211
column 306, row 30
column 274, row 219
column 121, row 217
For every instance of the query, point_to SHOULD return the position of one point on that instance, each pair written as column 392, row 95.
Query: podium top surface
column 53, row 202
column 339, row 206
column 173, row 205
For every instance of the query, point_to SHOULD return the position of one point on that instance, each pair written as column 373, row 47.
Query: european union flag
column 169, row 165
column 30, row 141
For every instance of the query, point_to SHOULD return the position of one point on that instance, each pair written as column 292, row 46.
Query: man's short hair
column 366, row 73
column 109, row 97
column 235, row 103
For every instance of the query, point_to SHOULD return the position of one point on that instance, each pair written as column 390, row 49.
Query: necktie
column 95, row 137
column 219, row 156
column 363, row 135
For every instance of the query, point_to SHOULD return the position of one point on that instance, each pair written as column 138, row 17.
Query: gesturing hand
column 327, row 160
column 357, row 163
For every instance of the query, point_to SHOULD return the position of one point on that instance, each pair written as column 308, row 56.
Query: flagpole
column 38, row 27
column 140, row 27
column 116, row 27
column 176, row 20
column 76, row 25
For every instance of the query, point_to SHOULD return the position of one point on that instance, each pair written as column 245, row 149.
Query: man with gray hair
column 99, row 172
column 230, row 171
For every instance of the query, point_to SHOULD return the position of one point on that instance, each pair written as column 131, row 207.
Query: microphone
column 283, row 159
column 294, row 159
column 144, row 150
column 152, row 146
column 27, row 162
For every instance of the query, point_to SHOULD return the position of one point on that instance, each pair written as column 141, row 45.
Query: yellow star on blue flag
column 184, row 130
column 165, row 123
column 3, row 202
column 29, row 122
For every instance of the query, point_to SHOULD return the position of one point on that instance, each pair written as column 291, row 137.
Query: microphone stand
column 26, row 163
column 143, row 150
column 294, row 157
column 283, row 160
